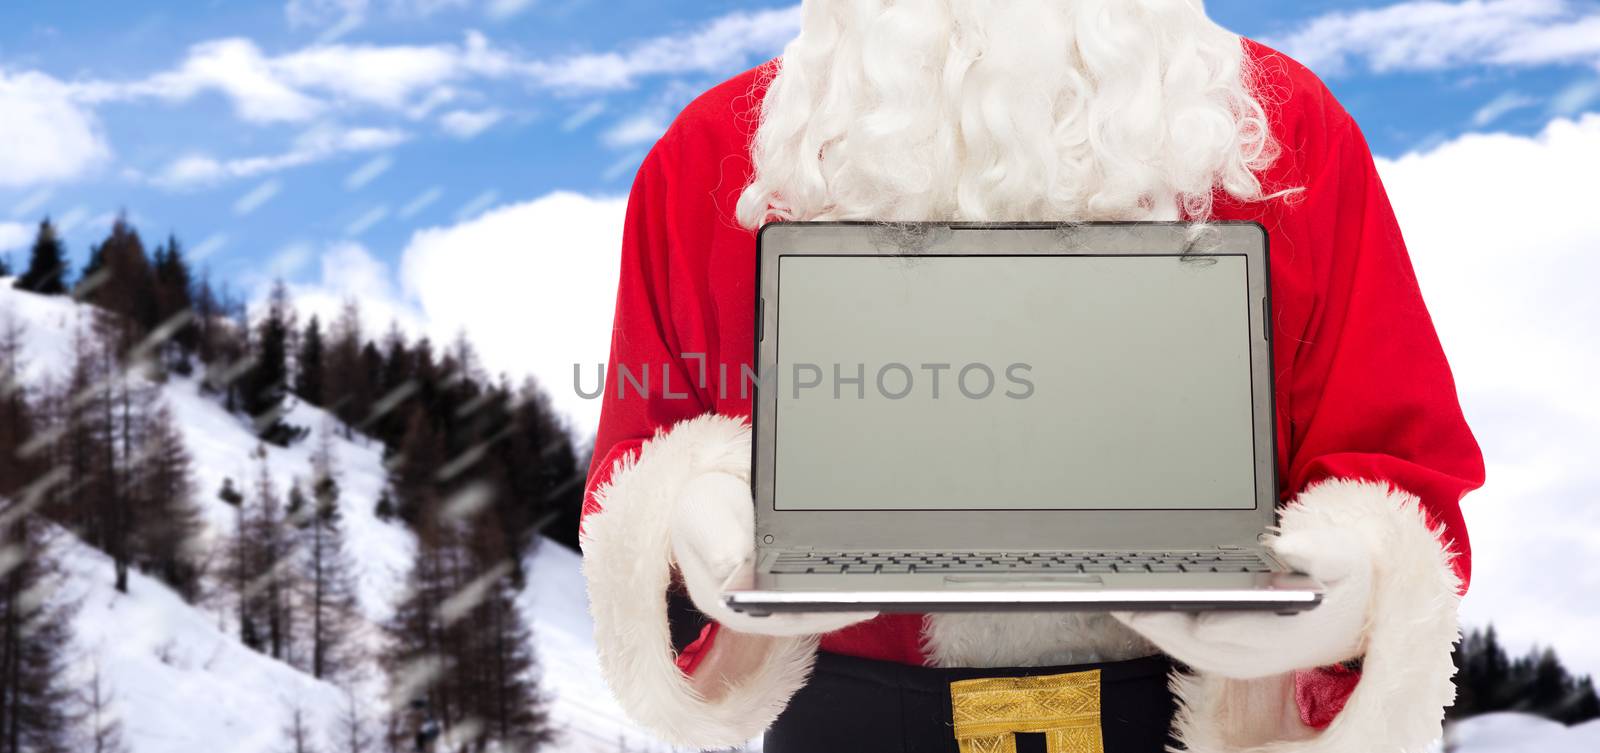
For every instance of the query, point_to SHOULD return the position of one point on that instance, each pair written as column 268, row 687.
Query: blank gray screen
column 1118, row 382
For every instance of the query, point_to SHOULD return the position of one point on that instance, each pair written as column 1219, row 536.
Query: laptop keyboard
column 868, row 563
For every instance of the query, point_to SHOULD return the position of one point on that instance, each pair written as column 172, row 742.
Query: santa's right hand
column 713, row 536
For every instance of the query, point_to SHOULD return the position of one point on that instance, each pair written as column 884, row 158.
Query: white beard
column 1006, row 110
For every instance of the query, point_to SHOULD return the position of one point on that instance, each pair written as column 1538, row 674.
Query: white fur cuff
column 1398, row 705
column 628, row 565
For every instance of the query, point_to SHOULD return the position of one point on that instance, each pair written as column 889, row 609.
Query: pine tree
column 265, row 385
column 47, row 263
column 329, row 583
column 418, row 659
column 168, row 526
column 499, row 655
column 125, row 285
column 397, row 388
column 421, row 454
column 347, row 389
column 459, row 630
column 174, row 303
column 207, row 317
column 309, row 364
column 35, row 701
column 1488, row 680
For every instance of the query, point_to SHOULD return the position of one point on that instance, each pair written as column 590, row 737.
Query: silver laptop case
column 1006, row 502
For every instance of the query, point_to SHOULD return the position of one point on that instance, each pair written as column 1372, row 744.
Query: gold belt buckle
column 988, row 712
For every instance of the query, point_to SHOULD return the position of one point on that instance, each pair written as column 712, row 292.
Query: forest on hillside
column 479, row 468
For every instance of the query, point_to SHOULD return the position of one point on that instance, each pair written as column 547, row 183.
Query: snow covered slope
column 182, row 682
column 556, row 606
column 1521, row 733
column 177, row 682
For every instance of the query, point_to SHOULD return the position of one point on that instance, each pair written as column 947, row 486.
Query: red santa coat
column 1363, row 390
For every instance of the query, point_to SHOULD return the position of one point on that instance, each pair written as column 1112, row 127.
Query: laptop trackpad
column 1028, row 581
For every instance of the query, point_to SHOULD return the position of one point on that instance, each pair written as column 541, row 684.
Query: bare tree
column 352, row 734
column 328, row 581
column 168, row 524
column 104, row 733
column 34, row 701
column 297, row 733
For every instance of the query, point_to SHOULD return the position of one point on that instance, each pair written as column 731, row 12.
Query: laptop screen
column 1013, row 382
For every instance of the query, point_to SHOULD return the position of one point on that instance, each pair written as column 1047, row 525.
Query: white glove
column 713, row 536
column 1246, row 645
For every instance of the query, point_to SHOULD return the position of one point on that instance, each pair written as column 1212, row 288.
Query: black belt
column 870, row 706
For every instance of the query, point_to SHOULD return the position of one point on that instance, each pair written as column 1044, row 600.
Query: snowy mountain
column 179, row 677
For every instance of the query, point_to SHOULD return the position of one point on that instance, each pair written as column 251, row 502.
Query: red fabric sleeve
column 644, row 340
column 1371, row 394
column 644, row 345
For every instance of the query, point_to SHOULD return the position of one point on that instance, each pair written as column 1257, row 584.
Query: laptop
column 1013, row 417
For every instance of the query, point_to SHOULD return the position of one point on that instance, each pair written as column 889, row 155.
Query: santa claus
column 1039, row 110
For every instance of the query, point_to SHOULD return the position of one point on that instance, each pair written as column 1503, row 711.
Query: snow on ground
column 556, row 605
column 183, row 682
column 178, row 682
column 1521, row 733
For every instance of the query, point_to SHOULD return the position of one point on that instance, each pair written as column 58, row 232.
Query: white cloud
column 465, row 124
column 315, row 13
column 28, row 204
column 351, row 13
column 384, row 76
column 45, row 137
column 326, row 77
column 504, row 9
column 1429, row 35
column 301, row 85
column 256, row 197
column 15, row 235
column 1574, row 98
column 726, row 42
column 314, row 145
column 1499, row 106
column 422, row 201
column 364, row 222
column 534, row 285
column 641, row 128
column 476, row 204
column 368, row 172
column 349, row 271
column 1503, row 233
column 582, row 116
column 236, row 68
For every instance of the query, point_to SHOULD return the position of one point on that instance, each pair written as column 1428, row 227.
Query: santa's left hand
column 1244, row 645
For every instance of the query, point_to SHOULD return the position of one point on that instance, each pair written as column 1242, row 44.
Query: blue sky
column 396, row 150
